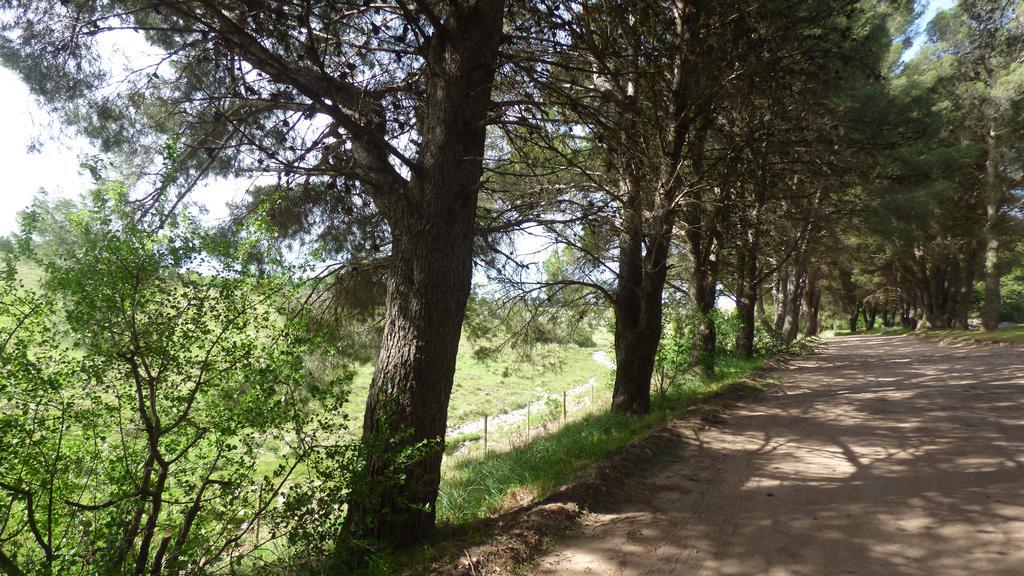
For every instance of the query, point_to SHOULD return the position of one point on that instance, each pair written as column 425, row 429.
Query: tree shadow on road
column 882, row 456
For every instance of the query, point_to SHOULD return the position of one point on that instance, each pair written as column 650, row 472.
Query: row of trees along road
column 773, row 150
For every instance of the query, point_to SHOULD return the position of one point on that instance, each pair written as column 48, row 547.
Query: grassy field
column 504, row 383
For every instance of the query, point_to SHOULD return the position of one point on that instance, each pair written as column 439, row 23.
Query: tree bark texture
column 429, row 283
column 638, row 303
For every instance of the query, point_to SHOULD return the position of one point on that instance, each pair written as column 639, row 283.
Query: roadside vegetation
column 476, row 488
column 446, row 209
column 508, row 381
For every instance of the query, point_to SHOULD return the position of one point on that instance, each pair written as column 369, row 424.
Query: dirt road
column 885, row 455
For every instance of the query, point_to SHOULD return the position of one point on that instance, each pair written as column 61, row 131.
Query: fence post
column 565, row 409
column 527, row 422
column 485, row 435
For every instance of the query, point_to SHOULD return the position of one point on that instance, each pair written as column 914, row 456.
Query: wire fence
column 503, row 432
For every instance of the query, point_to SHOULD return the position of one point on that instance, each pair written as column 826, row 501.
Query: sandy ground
column 885, row 455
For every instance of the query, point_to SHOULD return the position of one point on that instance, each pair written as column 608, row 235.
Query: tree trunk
column 906, row 317
column 636, row 346
column 812, row 301
column 428, row 285
column 747, row 299
column 705, row 339
column 701, row 219
column 779, row 297
column 966, row 294
column 638, row 304
column 704, row 291
column 870, row 317
column 920, row 321
column 955, row 278
column 993, row 203
column 795, row 297
column 853, row 321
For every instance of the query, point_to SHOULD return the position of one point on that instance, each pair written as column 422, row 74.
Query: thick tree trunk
column 638, row 305
column 428, row 285
column 993, row 204
column 636, row 345
column 853, row 321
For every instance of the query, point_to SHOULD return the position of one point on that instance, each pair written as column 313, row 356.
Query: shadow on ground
column 882, row 456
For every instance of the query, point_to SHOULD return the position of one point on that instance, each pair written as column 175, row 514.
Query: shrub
column 156, row 403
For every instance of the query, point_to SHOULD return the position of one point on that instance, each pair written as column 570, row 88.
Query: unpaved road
column 885, row 455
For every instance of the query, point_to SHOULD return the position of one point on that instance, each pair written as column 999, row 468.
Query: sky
column 934, row 7
column 53, row 162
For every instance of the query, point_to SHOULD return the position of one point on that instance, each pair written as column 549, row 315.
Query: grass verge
column 476, row 488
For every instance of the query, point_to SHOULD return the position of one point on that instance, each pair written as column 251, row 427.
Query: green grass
column 1011, row 334
column 474, row 488
column 478, row 487
column 502, row 384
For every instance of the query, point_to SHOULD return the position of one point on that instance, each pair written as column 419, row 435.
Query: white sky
column 55, row 166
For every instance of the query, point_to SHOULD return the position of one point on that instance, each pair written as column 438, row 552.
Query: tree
column 384, row 105
column 139, row 394
column 986, row 41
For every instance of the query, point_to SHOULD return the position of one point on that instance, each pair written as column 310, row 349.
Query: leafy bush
column 156, row 403
column 674, row 363
column 673, row 360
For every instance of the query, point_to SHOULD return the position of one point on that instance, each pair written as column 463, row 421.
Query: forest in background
column 180, row 397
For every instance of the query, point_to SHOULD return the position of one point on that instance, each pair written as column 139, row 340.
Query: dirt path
column 885, row 455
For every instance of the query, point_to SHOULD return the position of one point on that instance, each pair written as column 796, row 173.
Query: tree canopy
column 781, row 154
